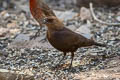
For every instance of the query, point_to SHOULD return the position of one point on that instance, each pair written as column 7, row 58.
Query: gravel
column 37, row 57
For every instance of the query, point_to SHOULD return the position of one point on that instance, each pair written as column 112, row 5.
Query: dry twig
column 98, row 20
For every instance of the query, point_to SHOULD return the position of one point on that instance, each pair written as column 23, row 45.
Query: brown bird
column 65, row 40
column 39, row 10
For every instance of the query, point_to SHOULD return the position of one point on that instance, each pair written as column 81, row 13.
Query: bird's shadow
column 76, row 69
column 95, row 64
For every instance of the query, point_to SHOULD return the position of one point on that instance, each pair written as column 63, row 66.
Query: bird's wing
column 71, row 38
column 78, row 40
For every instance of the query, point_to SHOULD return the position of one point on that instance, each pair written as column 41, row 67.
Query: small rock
column 20, row 41
column 3, row 32
column 65, row 15
column 22, row 17
column 72, row 27
column 12, row 25
column 22, row 38
column 13, row 76
column 3, row 53
column 4, row 70
column 85, row 30
column 76, row 63
column 85, row 14
column 118, row 18
column 28, row 71
column 14, row 31
column 4, row 14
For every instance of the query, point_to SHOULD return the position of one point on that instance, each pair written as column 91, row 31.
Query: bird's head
column 52, row 22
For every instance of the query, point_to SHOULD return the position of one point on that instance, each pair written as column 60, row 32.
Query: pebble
column 118, row 18
column 22, row 38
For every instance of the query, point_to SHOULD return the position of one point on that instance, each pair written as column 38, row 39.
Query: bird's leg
column 61, row 60
column 72, row 56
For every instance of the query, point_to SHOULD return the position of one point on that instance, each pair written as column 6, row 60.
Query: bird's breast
column 58, row 41
column 55, row 40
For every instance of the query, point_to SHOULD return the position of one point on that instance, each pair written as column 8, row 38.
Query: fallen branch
column 98, row 20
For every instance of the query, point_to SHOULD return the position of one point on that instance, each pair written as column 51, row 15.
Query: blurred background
column 18, row 4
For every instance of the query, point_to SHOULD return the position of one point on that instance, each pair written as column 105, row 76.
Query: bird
column 39, row 9
column 64, row 39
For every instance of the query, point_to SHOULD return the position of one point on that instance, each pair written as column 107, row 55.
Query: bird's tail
column 99, row 44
